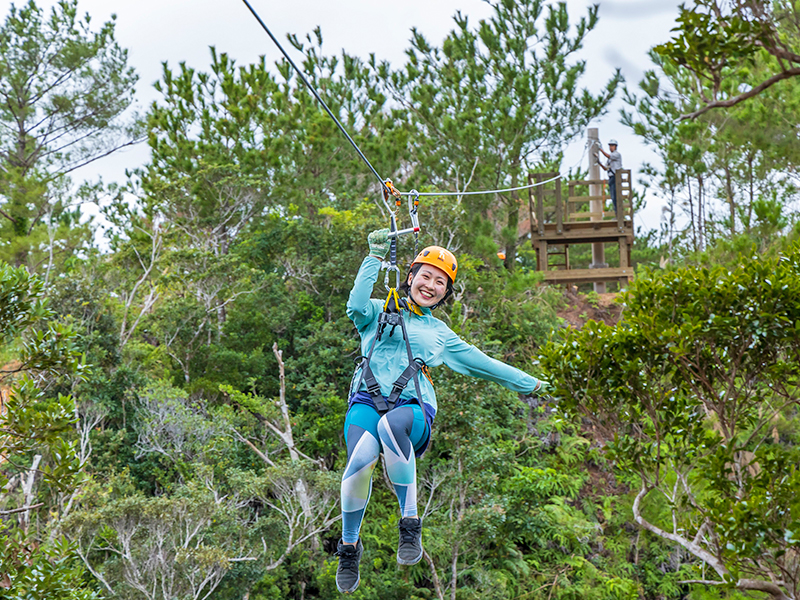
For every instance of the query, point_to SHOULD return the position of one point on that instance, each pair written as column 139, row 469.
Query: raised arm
column 361, row 309
column 466, row 359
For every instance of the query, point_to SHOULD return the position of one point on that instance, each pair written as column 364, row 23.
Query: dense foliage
column 173, row 394
column 695, row 395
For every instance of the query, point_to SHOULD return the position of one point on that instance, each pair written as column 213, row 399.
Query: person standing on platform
column 614, row 165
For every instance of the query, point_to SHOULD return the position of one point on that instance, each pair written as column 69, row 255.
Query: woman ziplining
column 386, row 414
column 389, row 415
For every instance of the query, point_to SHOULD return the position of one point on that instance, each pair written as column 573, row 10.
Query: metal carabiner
column 413, row 209
column 389, row 267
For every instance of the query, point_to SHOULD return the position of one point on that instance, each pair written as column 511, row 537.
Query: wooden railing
column 550, row 206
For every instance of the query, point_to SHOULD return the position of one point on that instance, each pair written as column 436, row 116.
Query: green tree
column 719, row 41
column 40, row 463
column 236, row 141
column 63, row 90
column 723, row 171
column 493, row 102
column 695, row 395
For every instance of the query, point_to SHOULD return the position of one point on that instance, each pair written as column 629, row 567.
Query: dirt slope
column 580, row 308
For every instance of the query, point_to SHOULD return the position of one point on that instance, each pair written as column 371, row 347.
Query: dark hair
column 406, row 289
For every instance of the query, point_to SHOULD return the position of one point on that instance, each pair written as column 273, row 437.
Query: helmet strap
column 412, row 305
column 447, row 294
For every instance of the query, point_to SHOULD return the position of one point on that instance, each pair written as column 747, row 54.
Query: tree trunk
column 700, row 216
column 454, row 574
column 691, row 213
column 27, row 492
column 752, row 194
column 300, row 486
column 462, row 508
column 730, row 199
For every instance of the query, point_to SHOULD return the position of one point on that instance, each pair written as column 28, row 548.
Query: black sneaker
column 347, row 576
column 409, row 551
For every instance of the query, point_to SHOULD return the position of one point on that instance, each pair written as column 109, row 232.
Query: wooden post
column 623, row 251
column 596, row 206
column 542, row 255
column 559, row 208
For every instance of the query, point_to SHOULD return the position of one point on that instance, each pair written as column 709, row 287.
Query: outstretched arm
column 466, row 359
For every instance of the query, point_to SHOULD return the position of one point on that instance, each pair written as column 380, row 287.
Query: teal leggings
column 397, row 434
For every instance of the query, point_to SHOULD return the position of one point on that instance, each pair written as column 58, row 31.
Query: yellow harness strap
column 394, row 297
column 414, row 308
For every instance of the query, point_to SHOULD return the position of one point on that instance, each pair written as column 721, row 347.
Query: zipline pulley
column 413, row 215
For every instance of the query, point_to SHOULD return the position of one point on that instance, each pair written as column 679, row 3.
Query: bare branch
column 745, row 96
column 751, row 585
column 21, row 509
column 437, row 584
column 695, row 549
column 93, row 571
column 253, row 447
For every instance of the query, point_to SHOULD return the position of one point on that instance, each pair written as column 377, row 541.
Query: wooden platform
column 558, row 221
column 585, row 232
column 576, row 276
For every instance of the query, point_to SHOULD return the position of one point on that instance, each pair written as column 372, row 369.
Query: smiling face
column 428, row 286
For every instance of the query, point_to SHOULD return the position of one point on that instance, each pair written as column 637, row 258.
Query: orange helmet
column 437, row 256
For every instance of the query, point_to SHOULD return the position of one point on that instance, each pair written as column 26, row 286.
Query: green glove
column 379, row 242
column 544, row 389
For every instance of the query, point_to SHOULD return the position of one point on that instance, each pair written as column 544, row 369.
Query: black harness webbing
column 391, row 315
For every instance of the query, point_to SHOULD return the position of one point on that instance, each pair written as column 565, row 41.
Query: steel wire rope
column 385, row 188
column 313, row 90
column 514, row 189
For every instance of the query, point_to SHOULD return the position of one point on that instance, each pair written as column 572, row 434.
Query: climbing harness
column 392, row 314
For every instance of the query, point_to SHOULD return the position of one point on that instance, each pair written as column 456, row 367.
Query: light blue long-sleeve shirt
column 430, row 339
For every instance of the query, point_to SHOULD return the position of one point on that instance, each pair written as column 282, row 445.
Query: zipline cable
column 523, row 187
column 387, row 191
column 514, row 189
column 318, row 97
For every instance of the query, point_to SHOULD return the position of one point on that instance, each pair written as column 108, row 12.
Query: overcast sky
column 183, row 30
